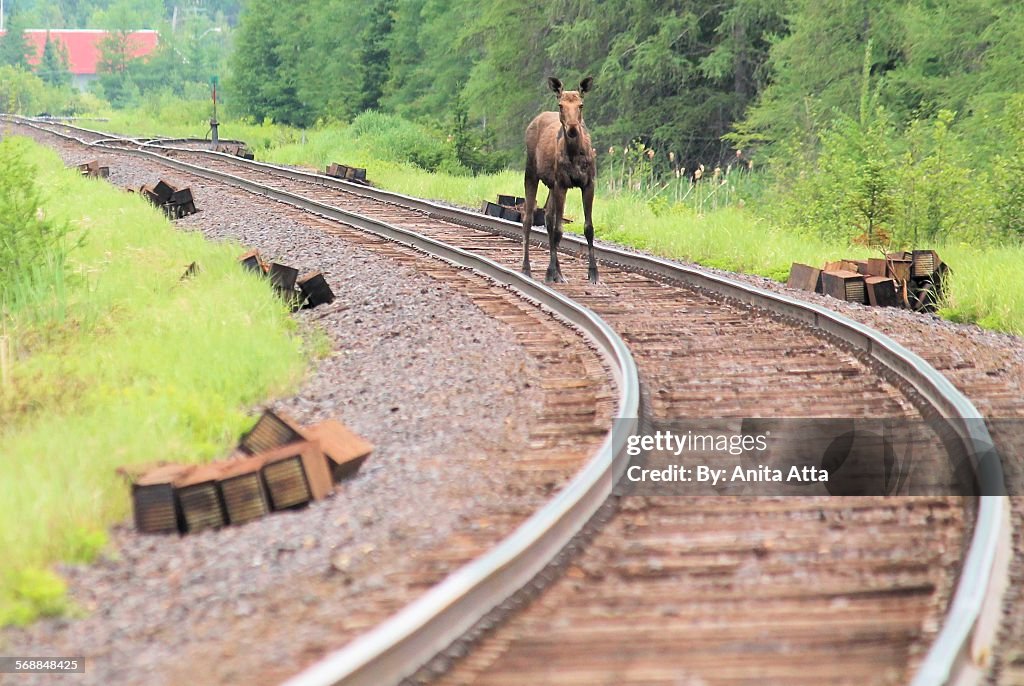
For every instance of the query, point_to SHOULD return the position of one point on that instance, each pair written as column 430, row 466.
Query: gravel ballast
column 441, row 389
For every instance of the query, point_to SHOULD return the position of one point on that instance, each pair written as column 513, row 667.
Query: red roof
column 83, row 45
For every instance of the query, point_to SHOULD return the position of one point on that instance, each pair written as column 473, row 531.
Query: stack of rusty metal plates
column 344, row 171
column 175, row 202
column 93, row 168
column 312, row 287
column 511, row 207
column 278, row 465
column 909, row 279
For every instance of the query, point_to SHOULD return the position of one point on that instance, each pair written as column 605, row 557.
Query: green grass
column 985, row 286
column 719, row 228
column 121, row 363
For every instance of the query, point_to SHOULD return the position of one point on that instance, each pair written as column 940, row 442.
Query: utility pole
column 213, row 121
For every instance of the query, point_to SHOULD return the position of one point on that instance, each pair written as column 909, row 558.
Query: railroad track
column 799, row 580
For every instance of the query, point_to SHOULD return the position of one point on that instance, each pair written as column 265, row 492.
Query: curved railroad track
column 820, row 590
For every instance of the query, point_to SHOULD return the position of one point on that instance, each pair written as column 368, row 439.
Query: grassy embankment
column 119, row 361
column 986, row 285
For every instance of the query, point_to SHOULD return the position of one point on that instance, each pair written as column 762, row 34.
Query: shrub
column 32, row 246
column 394, row 139
column 1008, row 171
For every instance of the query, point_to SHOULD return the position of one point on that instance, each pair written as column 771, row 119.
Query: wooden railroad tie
column 278, row 465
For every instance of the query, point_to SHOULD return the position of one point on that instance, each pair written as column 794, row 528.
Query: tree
column 265, row 66
column 373, row 52
column 128, row 15
column 15, row 49
column 429, row 57
column 54, row 66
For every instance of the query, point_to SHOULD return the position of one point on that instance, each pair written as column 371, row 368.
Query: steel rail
column 958, row 653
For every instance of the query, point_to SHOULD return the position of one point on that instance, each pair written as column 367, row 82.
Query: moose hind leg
column 588, row 231
column 553, row 222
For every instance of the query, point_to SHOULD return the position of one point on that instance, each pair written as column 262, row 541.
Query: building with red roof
column 83, row 49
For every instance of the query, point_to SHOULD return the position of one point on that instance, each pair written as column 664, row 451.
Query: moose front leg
column 553, row 223
column 531, row 203
column 588, row 231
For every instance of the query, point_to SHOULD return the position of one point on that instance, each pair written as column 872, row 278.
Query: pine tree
column 15, row 49
column 373, row 52
column 54, row 67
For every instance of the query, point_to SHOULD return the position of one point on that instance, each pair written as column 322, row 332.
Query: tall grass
column 136, row 365
column 984, row 286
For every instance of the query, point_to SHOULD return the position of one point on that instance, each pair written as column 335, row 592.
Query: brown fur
column 559, row 155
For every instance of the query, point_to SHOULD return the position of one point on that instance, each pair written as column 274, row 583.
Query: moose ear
column 586, row 84
column 555, row 85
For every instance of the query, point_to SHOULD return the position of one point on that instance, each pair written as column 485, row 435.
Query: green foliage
column 33, row 247
column 29, row 593
column 373, row 53
column 429, row 56
column 265, row 69
column 22, row 92
column 474, row 149
column 135, row 365
column 394, row 139
column 869, row 184
column 1008, row 171
column 126, row 15
column 15, row 49
column 483, row 66
column 941, row 193
column 54, row 66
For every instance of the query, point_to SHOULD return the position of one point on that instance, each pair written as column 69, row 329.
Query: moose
column 558, row 152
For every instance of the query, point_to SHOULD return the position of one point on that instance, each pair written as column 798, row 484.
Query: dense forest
column 873, row 119
column 880, row 120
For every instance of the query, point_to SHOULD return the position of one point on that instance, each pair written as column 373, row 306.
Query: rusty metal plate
column 345, row 450
column 315, row 290
column 295, row 474
column 844, row 285
column 156, row 509
column 283, row 277
column 271, row 431
column 201, row 505
column 337, row 170
column 286, row 483
column 181, row 196
column 900, row 269
column 881, row 291
column 804, row 277
column 241, row 487
column 154, row 501
column 251, row 261
column 926, row 263
column 163, row 191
